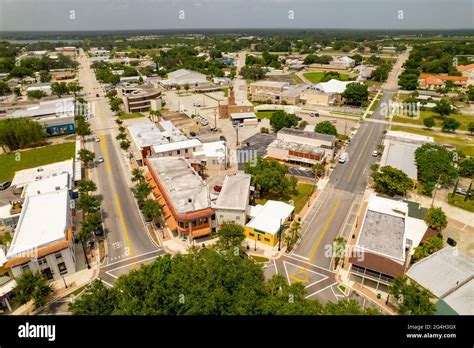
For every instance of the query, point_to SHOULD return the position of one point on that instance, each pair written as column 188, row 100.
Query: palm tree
column 137, row 175
column 151, row 210
column 32, row 286
column 88, row 204
column 292, row 237
column 86, row 186
column 156, row 115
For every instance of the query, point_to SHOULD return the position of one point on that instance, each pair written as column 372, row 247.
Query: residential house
column 233, row 200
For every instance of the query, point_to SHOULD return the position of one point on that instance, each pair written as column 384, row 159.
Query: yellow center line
column 313, row 252
column 106, row 154
column 130, row 252
column 360, row 154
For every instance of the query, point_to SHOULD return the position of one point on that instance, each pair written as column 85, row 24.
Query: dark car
column 217, row 188
column 97, row 95
column 222, row 138
column 193, row 134
column 299, row 118
column 99, row 231
column 5, row 185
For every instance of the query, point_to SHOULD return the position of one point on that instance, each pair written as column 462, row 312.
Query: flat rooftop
column 186, row 144
column 63, row 106
column 187, row 191
column 28, row 176
column 147, row 134
column 400, row 156
column 266, row 83
column 235, row 192
column 270, row 217
column 443, row 271
column 53, row 183
column 298, row 147
column 43, row 221
column 305, row 134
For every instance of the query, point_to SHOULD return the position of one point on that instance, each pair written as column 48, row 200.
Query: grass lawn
column 464, row 143
column 316, row 77
column 299, row 200
column 464, row 119
column 33, row 158
column 127, row 116
column 264, row 114
column 458, row 201
column 259, row 259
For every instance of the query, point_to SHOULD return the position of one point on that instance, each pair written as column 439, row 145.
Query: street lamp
column 64, row 280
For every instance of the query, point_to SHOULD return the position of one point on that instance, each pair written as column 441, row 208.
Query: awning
column 201, row 232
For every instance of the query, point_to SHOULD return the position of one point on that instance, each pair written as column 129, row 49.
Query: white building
column 42, row 87
column 346, row 62
column 43, row 239
column 215, row 154
column 184, row 148
column 332, row 86
column 233, row 200
column 26, row 177
column 182, row 77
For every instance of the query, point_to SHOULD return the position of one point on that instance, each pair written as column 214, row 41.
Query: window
column 266, row 239
column 42, row 261
column 237, row 218
column 251, row 234
column 25, row 268
column 178, row 152
column 185, row 150
column 58, row 256
column 62, row 268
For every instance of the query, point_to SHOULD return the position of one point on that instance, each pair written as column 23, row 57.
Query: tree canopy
column 203, row 282
column 391, row 181
column 434, row 162
column 281, row 119
column 412, row 298
column 356, row 94
column 18, row 133
column 436, row 219
column 427, row 248
column 270, row 179
column 326, row 127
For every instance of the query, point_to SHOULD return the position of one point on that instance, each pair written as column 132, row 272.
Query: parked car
column 100, row 159
column 99, row 231
column 344, row 157
column 333, row 121
column 314, row 114
column 96, row 139
column 4, row 185
column 217, row 188
column 97, row 95
column 461, row 191
column 299, row 118
column 375, row 153
column 193, row 134
column 222, row 138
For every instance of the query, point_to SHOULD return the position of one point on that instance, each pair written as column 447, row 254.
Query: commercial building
column 56, row 116
column 183, row 77
column 268, row 222
column 344, row 62
column 184, row 148
column 449, row 275
column 276, row 92
column 399, row 151
column 227, row 108
column 300, row 147
column 233, row 200
column 385, row 239
column 428, row 81
column 183, row 195
column 215, row 155
column 41, row 87
column 26, row 177
column 43, row 239
column 325, row 93
column 140, row 99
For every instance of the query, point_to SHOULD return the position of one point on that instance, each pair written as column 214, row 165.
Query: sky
column 81, row 15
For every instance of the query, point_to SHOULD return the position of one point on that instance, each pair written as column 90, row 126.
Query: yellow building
column 267, row 221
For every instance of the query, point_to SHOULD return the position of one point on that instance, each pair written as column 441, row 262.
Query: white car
column 375, row 153
column 100, row 159
column 344, row 157
column 97, row 139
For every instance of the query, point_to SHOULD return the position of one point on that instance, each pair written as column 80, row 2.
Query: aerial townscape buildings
column 220, row 173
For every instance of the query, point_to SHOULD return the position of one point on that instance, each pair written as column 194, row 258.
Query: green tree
column 4, row 89
column 411, row 298
column 141, row 190
column 269, row 178
column 115, row 104
column 280, row 119
column 151, row 210
column 89, row 204
column 302, row 124
column 325, row 127
column 450, row 124
column 436, row 219
column 137, row 175
column 32, row 286
column 121, row 136
column 82, row 127
column 36, row 94
column 429, row 122
column 59, row 89
column 408, row 81
column 470, row 127
column 186, row 87
column 443, row 107
column 97, row 299
column 86, row 186
column 356, row 94
column 18, row 133
column 466, row 168
column 434, row 163
column 427, row 248
column 318, row 169
column 125, row 144
column 86, row 156
column 253, row 72
column 231, row 235
column 292, row 235
column 391, row 181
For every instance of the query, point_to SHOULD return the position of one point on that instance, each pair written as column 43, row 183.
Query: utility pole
column 435, row 189
column 215, row 119
column 237, row 130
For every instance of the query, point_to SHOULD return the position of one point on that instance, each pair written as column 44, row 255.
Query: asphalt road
column 335, row 205
column 126, row 235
